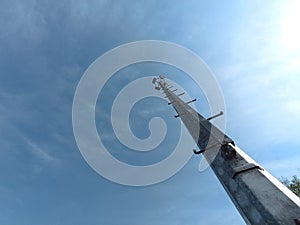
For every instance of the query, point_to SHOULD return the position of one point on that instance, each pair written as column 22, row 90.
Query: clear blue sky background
column 251, row 46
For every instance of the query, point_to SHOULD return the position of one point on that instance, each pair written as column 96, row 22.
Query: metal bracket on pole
column 191, row 101
column 245, row 168
column 215, row 116
column 180, row 94
column 198, row 152
column 173, row 90
column 203, row 150
column 179, row 115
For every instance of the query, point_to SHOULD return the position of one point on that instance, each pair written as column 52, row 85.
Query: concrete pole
column 259, row 197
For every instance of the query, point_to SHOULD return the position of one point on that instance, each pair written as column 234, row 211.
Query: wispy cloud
column 40, row 153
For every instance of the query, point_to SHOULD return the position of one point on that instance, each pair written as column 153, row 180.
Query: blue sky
column 251, row 46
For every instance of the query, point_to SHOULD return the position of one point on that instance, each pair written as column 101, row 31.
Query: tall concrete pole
column 259, row 197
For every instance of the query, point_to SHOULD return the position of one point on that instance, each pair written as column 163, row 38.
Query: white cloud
column 289, row 27
column 262, row 82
